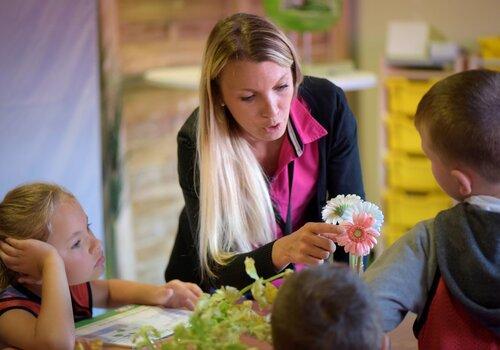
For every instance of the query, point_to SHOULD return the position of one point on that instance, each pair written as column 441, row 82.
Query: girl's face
column 71, row 236
column 258, row 95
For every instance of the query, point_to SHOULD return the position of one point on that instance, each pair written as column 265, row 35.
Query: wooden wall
column 154, row 33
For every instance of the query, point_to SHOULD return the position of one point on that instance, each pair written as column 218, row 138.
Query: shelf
column 405, row 172
column 188, row 77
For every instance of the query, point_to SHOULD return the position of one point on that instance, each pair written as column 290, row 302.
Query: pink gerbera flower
column 359, row 236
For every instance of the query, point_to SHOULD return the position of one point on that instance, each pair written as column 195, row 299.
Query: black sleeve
column 343, row 171
column 183, row 263
column 184, row 260
column 343, row 166
column 339, row 149
column 340, row 168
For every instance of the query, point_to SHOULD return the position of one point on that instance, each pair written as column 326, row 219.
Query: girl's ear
column 464, row 182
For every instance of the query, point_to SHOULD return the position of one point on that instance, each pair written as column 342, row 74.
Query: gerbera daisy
column 367, row 208
column 334, row 212
column 359, row 236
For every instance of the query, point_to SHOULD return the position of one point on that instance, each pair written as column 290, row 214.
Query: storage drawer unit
column 405, row 94
column 410, row 172
column 402, row 134
column 406, row 209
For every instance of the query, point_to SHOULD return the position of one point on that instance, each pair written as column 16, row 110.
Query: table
column 342, row 74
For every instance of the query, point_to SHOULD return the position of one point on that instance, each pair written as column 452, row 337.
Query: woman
column 259, row 159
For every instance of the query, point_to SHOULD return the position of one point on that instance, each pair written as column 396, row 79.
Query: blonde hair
column 25, row 212
column 236, row 213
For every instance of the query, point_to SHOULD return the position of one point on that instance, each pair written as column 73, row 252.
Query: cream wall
column 458, row 20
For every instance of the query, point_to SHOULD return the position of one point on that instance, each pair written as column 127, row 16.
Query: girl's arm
column 54, row 328
column 174, row 294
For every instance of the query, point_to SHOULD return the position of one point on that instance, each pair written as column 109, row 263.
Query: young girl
column 50, row 263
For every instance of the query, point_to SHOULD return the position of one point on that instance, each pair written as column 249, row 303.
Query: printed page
column 117, row 326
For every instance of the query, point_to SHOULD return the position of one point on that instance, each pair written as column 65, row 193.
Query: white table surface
column 188, row 77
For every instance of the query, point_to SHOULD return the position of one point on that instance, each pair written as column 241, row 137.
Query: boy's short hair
column 326, row 307
column 461, row 114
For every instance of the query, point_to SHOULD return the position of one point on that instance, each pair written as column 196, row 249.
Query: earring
column 223, row 105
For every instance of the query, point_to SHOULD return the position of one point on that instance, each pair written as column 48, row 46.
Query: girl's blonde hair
column 25, row 212
column 236, row 213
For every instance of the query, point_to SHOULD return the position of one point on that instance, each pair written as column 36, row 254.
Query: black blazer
column 339, row 173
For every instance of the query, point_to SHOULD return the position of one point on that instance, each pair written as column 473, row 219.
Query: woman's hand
column 308, row 245
column 28, row 257
column 178, row 294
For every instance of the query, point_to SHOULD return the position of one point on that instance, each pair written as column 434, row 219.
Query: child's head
column 326, row 307
column 50, row 213
column 459, row 123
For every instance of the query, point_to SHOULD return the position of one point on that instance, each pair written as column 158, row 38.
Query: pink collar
column 305, row 128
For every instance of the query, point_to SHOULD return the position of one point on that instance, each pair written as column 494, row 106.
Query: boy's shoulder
column 467, row 221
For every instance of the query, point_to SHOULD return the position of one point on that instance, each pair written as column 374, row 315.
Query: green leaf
column 250, row 268
column 220, row 319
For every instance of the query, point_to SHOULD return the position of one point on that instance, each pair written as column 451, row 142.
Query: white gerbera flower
column 334, row 212
column 367, row 208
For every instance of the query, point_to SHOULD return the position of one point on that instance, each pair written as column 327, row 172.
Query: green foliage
column 220, row 319
column 307, row 16
column 145, row 337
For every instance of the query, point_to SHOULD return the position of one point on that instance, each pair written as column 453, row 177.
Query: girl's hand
column 308, row 245
column 177, row 294
column 27, row 257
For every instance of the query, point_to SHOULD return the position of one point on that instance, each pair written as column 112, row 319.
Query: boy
column 326, row 307
column 447, row 269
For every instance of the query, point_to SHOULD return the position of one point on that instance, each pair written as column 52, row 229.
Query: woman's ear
column 464, row 182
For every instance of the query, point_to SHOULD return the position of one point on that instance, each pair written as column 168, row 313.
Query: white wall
column 459, row 20
column 49, row 98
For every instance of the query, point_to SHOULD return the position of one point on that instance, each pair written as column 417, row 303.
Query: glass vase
column 356, row 263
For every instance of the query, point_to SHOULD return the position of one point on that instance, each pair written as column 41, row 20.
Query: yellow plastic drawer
column 409, row 172
column 489, row 46
column 391, row 233
column 406, row 209
column 402, row 134
column 404, row 94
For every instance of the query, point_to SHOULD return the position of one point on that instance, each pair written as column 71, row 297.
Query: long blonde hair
column 236, row 213
column 25, row 212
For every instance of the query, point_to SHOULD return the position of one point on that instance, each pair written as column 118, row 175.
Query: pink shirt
column 300, row 146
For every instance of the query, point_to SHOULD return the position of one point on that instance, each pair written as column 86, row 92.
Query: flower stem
column 270, row 279
column 356, row 263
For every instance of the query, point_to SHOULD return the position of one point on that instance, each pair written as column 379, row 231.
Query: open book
column 117, row 326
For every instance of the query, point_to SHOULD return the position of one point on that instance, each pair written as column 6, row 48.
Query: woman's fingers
column 324, row 229
column 322, row 242
column 314, row 246
column 311, row 244
column 309, row 260
column 315, row 252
